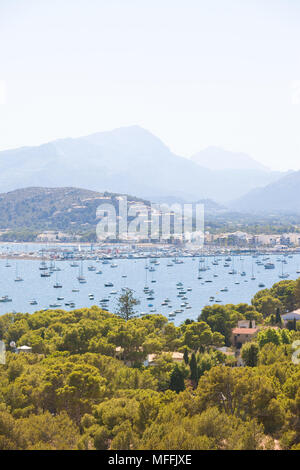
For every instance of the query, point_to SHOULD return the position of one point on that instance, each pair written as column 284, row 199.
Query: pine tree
column 186, row 356
column 278, row 317
column 126, row 304
column 250, row 354
column 177, row 380
column 297, row 293
column 194, row 370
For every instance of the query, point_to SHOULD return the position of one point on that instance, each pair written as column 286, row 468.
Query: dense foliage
column 87, row 383
column 73, row 210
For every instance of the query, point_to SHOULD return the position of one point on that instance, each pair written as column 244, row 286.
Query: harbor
column 177, row 286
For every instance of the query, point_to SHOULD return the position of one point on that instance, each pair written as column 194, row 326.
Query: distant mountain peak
column 216, row 158
column 280, row 196
column 127, row 160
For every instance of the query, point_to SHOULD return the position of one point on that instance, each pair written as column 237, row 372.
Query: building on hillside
column 53, row 236
column 246, row 324
column 24, row 349
column 151, row 358
column 240, row 336
column 291, row 317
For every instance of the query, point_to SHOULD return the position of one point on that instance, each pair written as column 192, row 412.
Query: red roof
column 244, row 331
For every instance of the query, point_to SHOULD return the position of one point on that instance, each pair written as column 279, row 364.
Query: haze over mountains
column 283, row 196
column 131, row 160
column 216, row 158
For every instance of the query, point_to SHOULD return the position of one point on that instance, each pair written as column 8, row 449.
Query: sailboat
column 283, row 275
column 252, row 276
column 233, row 271
column 43, row 265
column 74, row 264
column 80, row 276
column 243, row 273
column 57, row 285
column 202, row 266
column 18, row 278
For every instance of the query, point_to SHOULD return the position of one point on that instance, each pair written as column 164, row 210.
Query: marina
column 178, row 289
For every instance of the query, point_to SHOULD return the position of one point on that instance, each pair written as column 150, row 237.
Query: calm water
column 166, row 277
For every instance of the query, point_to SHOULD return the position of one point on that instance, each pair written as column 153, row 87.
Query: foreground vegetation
column 86, row 385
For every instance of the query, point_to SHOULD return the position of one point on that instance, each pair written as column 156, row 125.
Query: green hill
column 67, row 209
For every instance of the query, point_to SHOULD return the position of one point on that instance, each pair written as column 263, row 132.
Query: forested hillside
column 70, row 209
column 86, row 384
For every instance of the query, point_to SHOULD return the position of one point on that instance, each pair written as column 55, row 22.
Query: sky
column 195, row 73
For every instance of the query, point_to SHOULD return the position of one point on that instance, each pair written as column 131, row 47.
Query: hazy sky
column 193, row 72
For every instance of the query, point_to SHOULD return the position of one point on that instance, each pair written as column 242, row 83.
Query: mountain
column 209, row 204
column 281, row 196
column 216, row 158
column 66, row 209
column 127, row 160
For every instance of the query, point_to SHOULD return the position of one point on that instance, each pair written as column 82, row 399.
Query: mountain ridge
column 125, row 160
column 280, row 196
column 216, row 158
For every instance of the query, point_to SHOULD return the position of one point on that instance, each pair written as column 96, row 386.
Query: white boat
column 5, row 298
column 283, row 275
column 43, row 266
column 18, row 278
column 45, row 274
column 269, row 266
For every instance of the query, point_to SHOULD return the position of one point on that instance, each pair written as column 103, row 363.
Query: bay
column 163, row 281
